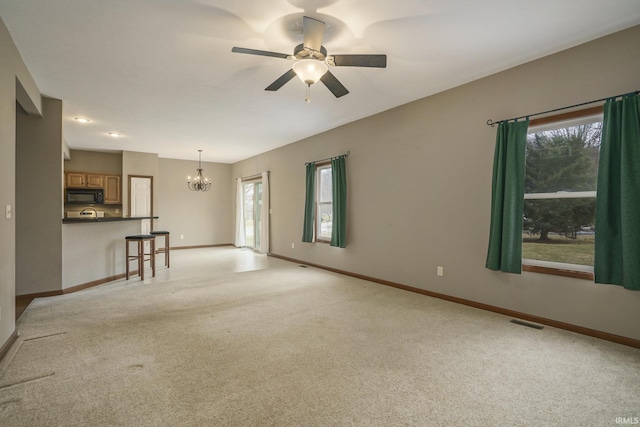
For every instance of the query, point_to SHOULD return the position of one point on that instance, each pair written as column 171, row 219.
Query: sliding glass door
column 252, row 204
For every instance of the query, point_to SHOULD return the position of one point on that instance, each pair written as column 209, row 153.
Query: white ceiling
column 161, row 72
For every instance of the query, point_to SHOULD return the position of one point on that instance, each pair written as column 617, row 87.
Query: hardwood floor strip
column 30, row 297
column 5, row 348
column 93, row 283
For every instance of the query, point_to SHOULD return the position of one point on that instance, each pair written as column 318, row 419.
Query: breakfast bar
column 93, row 250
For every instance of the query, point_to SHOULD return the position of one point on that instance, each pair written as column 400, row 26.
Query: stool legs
column 141, row 259
column 152, row 255
column 140, row 256
column 126, row 242
column 166, row 250
column 163, row 249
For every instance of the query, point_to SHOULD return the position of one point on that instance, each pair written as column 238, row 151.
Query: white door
column 140, row 198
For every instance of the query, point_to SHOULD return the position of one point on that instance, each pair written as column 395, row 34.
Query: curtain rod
column 492, row 123
column 329, row 158
column 258, row 175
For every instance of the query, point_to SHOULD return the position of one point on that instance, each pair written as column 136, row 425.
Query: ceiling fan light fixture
column 310, row 70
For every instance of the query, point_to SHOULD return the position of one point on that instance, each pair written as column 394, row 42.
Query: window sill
column 559, row 272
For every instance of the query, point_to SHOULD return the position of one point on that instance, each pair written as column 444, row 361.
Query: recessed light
column 82, row 120
column 114, row 134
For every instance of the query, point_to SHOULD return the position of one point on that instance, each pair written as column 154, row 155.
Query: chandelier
column 199, row 182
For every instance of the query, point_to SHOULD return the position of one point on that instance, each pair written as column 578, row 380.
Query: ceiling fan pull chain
column 308, row 97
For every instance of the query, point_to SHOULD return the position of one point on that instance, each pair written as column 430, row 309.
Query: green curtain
column 309, row 203
column 617, row 251
column 507, row 198
column 339, row 187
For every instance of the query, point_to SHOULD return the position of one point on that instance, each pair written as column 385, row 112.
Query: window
column 561, row 172
column 324, row 203
column 252, row 202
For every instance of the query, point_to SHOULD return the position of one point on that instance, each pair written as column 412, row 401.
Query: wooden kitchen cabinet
column 95, row 180
column 84, row 180
column 112, row 192
column 75, row 180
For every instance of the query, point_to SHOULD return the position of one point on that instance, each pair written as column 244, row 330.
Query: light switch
column 7, row 211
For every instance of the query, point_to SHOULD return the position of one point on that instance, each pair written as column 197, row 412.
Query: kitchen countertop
column 106, row 219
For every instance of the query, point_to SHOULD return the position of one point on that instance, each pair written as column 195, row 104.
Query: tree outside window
column 560, row 190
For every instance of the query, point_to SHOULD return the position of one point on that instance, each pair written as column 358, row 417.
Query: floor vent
column 303, row 266
column 527, row 324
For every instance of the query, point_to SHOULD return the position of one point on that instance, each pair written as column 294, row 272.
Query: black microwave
column 84, row 196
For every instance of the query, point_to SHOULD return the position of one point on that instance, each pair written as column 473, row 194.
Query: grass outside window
column 558, row 248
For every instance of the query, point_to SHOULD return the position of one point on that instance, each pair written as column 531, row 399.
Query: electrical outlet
column 117, row 210
column 7, row 211
column 440, row 271
column 182, row 237
column 293, row 245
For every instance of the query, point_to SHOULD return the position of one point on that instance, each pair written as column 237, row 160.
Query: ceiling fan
column 312, row 62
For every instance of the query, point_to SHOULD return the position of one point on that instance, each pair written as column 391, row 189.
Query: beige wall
column 202, row 218
column 39, row 199
column 419, row 185
column 12, row 72
column 94, row 161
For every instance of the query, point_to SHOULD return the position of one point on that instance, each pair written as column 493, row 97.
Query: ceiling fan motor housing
column 301, row 52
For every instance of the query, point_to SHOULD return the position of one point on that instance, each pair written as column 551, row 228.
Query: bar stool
column 164, row 250
column 140, row 255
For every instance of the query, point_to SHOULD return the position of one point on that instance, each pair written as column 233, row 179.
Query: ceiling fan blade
column 334, row 85
column 379, row 61
column 313, row 31
column 281, row 80
column 259, row 52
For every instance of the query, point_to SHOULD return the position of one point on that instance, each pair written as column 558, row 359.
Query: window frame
column 257, row 205
column 550, row 267
column 317, row 217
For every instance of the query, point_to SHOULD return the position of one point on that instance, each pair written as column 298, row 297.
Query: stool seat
column 164, row 249
column 140, row 239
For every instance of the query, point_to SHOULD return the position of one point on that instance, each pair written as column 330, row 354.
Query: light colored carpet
column 227, row 337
